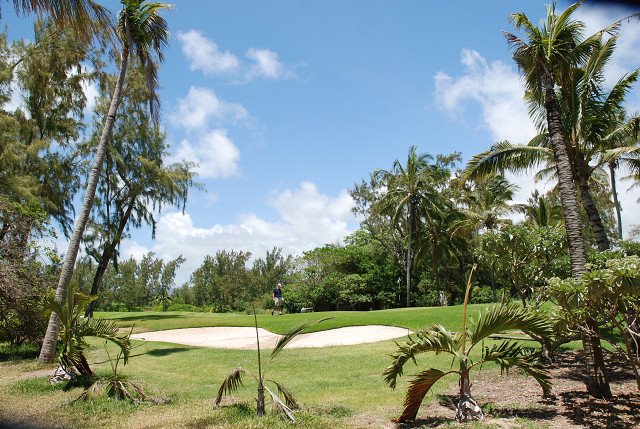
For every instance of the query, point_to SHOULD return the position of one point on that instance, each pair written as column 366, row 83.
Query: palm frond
column 510, row 354
column 506, row 156
column 502, row 318
column 418, row 388
column 289, row 399
column 230, row 385
column 291, row 334
column 435, row 339
column 280, row 405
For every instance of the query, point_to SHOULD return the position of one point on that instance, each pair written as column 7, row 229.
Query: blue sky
column 286, row 104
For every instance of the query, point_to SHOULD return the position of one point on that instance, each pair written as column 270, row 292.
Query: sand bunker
column 245, row 337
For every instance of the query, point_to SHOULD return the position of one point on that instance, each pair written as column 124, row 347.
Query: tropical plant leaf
column 281, row 406
column 289, row 399
column 418, row 388
column 435, row 339
column 511, row 354
column 229, row 385
column 291, row 334
column 502, row 318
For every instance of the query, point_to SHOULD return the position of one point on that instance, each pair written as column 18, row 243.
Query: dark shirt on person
column 277, row 293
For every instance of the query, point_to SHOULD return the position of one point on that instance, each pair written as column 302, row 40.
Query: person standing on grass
column 277, row 299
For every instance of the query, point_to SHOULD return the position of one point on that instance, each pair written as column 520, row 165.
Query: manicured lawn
column 338, row 386
column 411, row 318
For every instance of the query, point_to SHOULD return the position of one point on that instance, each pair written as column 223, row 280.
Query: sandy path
column 245, row 337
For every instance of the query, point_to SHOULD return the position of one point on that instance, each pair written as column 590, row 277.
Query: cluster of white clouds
column 202, row 115
column 497, row 88
column 205, row 56
column 307, row 219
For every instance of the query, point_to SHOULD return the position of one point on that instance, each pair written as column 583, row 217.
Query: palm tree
column 143, row 31
column 541, row 210
column 487, row 201
column 437, row 339
column 589, row 116
column 547, row 57
column 74, row 328
column 234, row 380
column 407, row 189
column 86, row 18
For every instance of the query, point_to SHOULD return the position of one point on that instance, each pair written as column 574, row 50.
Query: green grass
column 411, row 318
column 338, row 386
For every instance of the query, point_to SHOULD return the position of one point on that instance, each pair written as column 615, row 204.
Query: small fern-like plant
column 283, row 399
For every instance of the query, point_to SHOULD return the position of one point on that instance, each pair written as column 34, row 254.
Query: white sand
column 245, row 338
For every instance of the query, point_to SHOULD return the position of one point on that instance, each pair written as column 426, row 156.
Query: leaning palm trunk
column 597, row 381
column 47, row 352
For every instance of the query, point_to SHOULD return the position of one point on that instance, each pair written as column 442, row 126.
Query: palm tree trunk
column 597, row 382
column 614, row 192
column 47, row 352
column 595, row 221
column 409, row 255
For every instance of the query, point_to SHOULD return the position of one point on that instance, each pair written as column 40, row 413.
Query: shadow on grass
column 166, row 352
column 619, row 412
column 23, row 352
column 8, row 424
column 84, row 382
column 141, row 317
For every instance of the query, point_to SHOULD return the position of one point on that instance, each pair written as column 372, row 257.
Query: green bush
column 483, row 295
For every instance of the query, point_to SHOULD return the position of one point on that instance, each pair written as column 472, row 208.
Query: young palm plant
column 437, row 339
column 74, row 327
column 234, row 379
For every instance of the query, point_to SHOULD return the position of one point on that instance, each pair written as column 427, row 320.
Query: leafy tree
column 24, row 279
column 437, row 339
column 547, row 57
column 223, row 281
column 142, row 30
column 136, row 182
column 610, row 292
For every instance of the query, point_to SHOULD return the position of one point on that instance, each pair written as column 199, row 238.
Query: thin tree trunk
column 48, row 350
column 597, row 382
column 614, row 192
column 595, row 221
column 409, row 255
column 107, row 254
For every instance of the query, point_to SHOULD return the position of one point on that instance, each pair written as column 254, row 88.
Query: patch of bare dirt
column 509, row 400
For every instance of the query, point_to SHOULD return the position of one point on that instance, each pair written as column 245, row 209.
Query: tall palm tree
column 589, row 116
column 407, row 189
column 547, row 57
column 142, row 31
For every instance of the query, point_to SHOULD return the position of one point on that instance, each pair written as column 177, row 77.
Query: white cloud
column 267, row 65
column 196, row 110
column 205, row 56
column 307, row 219
column 496, row 87
column 214, row 152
